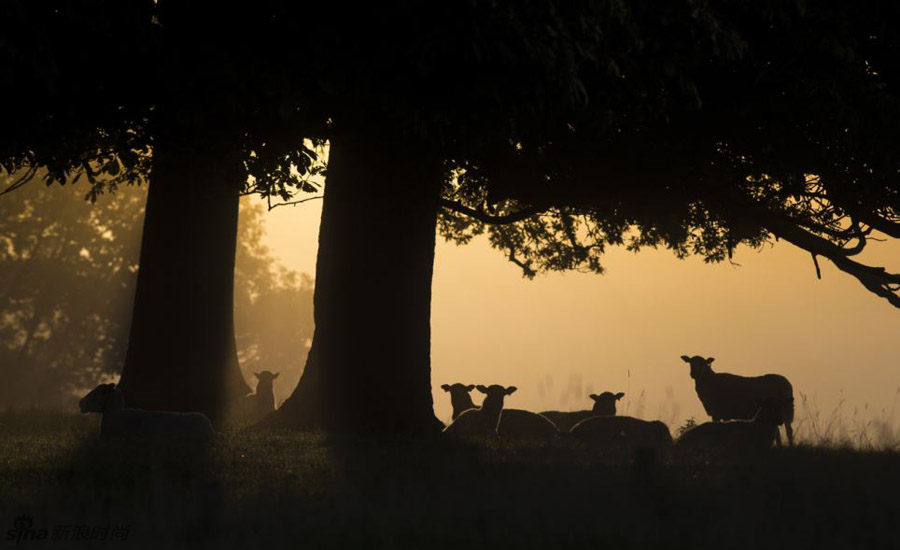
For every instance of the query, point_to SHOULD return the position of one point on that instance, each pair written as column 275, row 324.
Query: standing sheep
column 117, row 421
column 482, row 421
column 739, row 436
column 604, row 405
column 731, row 397
column 459, row 397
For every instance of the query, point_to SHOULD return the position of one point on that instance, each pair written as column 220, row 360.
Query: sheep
column 459, row 397
column 739, row 436
column 731, row 397
column 116, row 421
column 481, row 421
column 255, row 406
column 623, row 432
column 604, row 405
column 521, row 424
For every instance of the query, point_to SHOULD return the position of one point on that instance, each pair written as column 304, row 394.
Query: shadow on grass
column 267, row 489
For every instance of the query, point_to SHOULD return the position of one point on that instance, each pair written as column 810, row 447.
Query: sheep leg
column 790, row 433
column 777, row 436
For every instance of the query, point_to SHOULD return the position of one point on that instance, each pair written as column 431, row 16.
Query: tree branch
column 28, row 176
column 876, row 279
column 484, row 217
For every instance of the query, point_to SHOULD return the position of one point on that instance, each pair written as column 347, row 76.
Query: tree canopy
column 695, row 125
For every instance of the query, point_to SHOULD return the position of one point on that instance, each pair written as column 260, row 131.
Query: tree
column 700, row 126
column 697, row 126
column 175, row 102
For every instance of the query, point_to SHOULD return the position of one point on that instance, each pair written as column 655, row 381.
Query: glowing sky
column 561, row 336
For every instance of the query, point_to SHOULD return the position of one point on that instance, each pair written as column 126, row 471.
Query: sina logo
column 22, row 530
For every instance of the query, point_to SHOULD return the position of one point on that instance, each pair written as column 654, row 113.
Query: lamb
column 604, row 405
column 116, row 421
column 739, row 436
column 481, row 421
column 730, row 397
column 255, row 406
column 623, row 432
column 459, row 397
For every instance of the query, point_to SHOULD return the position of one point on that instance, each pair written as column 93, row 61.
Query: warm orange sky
column 562, row 335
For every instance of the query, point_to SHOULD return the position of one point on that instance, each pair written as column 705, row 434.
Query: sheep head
column 699, row 366
column 605, row 403
column 96, row 400
column 494, row 395
column 457, row 388
column 266, row 376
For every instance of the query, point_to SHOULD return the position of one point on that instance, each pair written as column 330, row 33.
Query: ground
column 272, row 489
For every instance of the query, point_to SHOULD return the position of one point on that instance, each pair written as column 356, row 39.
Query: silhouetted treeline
column 67, row 286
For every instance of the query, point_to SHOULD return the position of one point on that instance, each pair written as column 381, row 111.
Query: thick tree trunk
column 181, row 351
column 369, row 369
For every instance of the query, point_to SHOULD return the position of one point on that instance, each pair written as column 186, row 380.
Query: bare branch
column 484, row 217
column 290, row 203
column 26, row 177
column 876, row 279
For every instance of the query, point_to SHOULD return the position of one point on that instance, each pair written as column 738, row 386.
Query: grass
column 276, row 489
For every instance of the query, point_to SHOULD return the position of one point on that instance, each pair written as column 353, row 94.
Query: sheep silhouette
column 255, row 406
column 623, row 433
column 460, row 398
column 731, row 397
column 483, row 421
column 116, row 421
column 739, row 436
column 604, row 405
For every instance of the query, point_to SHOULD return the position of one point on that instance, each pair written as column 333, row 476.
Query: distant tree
column 69, row 270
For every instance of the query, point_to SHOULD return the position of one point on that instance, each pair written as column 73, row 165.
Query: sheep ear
column 510, row 390
column 482, row 389
column 256, row 374
column 594, row 396
column 685, row 358
column 470, row 387
column 274, row 376
column 445, row 387
column 710, row 360
column 620, row 395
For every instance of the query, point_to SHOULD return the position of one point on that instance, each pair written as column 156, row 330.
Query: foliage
column 694, row 125
column 65, row 296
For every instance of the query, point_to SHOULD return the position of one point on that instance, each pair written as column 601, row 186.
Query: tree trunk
column 181, row 351
column 369, row 368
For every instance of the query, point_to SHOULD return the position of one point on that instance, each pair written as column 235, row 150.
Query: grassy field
column 277, row 489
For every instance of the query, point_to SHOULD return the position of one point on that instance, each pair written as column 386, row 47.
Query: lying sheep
column 604, row 405
column 481, row 421
column 739, row 436
column 117, row 421
column 623, row 432
column 732, row 397
column 459, row 397
column 255, row 406
column 521, row 424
